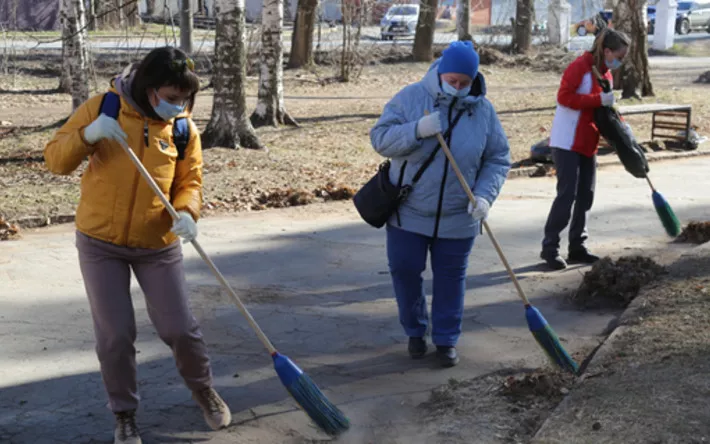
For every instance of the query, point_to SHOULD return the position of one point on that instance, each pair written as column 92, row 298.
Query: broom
column 303, row 390
column 540, row 329
column 665, row 213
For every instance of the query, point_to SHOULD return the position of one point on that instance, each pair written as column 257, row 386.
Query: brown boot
column 126, row 431
column 216, row 411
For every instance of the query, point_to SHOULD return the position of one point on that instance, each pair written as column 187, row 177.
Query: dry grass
column 331, row 147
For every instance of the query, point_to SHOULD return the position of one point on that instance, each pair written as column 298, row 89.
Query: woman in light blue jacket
column 437, row 216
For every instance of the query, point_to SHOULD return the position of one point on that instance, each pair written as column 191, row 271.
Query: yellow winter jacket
column 116, row 204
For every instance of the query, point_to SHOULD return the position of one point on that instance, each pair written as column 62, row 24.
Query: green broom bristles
column 666, row 215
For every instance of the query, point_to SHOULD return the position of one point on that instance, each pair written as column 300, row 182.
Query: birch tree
column 229, row 124
column 270, row 105
column 74, row 48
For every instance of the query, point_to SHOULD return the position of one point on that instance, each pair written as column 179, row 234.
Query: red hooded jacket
column 573, row 127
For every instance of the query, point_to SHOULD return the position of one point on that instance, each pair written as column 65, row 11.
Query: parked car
column 399, row 21
column 692, row 16
column 603, row 18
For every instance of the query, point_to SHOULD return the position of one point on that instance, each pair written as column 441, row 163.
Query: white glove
column 185, row 227
column 428, row 125
column 629, row 131
column 104, row 127
column 480, row 211
column 608, row 98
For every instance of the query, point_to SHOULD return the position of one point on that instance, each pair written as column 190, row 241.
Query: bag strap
column 430, row 159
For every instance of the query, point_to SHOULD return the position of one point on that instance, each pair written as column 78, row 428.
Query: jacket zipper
column 443, row 178
column 136, row 175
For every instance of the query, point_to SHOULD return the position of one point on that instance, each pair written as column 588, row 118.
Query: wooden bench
column 663, row 119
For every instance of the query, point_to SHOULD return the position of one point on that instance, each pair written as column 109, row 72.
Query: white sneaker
column 126, row 431
column 216, row 411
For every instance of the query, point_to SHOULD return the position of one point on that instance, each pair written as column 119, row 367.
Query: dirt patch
column 695, row 233
column 495, row 408
column 612, row 284
column 8, row 231
column 650, row 383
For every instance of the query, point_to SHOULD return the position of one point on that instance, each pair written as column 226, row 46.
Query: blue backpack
column 111, row 106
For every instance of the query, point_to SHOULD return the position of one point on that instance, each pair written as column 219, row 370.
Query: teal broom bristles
column 548, row 340
column 665, row 213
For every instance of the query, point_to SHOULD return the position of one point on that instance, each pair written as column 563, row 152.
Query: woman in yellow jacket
column 122, row 225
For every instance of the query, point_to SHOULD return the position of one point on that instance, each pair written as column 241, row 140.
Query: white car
column 399, row 21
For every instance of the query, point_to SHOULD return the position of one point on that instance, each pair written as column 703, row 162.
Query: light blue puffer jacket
column 478, row 144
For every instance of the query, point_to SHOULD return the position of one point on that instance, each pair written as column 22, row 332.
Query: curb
column 625, row 322
column 611, row 159
column 43, row 221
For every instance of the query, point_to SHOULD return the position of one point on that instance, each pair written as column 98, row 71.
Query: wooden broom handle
column 149, row 179
column 471, row 197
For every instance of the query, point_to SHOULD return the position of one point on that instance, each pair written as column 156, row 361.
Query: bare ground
column 330, row 150
column 649, row 383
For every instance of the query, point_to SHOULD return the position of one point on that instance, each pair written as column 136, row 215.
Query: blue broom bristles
column 307, row 394
column 548, row 340
column 665, row 213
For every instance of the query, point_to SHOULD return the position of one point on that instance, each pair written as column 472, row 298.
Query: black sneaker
column 447, row 355
column 417, row 348
column 126, row 431
column 582, row 256
column 553, row 260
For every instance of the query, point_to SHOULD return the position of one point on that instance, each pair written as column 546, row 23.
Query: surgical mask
column 614, row 64
column 167, row 110
column 450, row 90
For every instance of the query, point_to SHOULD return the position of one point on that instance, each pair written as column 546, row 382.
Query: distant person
column 123, row 226
column 437, row 218
column 574, row 139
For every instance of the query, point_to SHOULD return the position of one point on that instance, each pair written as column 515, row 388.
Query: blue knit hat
column 459, row 58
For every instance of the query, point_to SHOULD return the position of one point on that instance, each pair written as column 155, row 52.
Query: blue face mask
column 167, row 110
column 453, row 92
column 614, row 64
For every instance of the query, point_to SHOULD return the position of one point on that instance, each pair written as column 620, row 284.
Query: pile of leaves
column 695, row 233
column 612, row 284
column 8, row 231
column 547, row 384
column 254, row 199
column 704, row 78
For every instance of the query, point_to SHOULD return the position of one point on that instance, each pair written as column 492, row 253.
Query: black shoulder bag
column 378, row 199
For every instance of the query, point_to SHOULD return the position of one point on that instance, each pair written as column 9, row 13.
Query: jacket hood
column 432, row 84
column 122, row 85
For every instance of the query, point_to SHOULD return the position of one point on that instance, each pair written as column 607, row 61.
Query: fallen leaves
column 695, row 233
column 8, row 231
column 612, row 284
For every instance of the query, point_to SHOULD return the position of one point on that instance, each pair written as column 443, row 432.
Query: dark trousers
column 576, row 180
column 407, row 255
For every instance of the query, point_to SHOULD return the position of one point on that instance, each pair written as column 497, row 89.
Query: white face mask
column 453, row 92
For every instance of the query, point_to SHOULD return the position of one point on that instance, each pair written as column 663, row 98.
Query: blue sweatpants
column 407, row 255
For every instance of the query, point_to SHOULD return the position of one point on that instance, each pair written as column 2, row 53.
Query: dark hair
column 166, row 66
column 608, row 39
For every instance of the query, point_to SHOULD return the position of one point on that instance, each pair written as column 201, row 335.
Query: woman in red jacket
column 574, row 139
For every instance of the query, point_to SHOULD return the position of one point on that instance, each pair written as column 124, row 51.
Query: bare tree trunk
column 523, row 26
column 424, row 37
column 463, row 19
column 186, row 25
column 270, row 105
column 92, row 15
column 75, row 49
column 229, row 125
column 302, row 39
column 629, row 17
column 150, row 7
column 65, row 77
